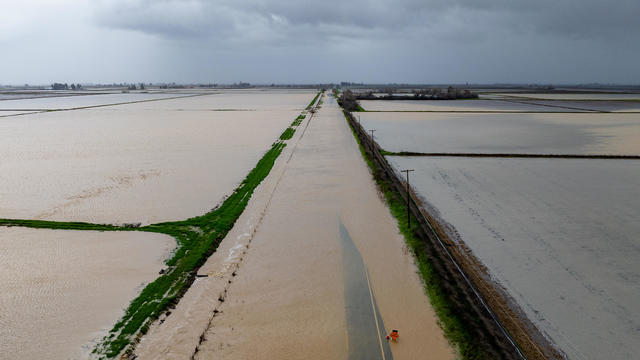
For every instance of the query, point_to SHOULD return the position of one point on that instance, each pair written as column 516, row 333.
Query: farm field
column 459, row 106
column 574, row 96
column 79, row 281
column 559, row 234
column 144, row 162
column 77, row 101
column 133, row 163
column 612, row 134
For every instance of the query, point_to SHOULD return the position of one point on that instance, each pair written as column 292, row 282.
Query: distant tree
column 73, row 86
column 141, row 86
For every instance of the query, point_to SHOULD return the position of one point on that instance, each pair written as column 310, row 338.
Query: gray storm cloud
column 544, row 41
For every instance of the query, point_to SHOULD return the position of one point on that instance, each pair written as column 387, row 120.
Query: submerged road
column 314, row 269
column 365, row 328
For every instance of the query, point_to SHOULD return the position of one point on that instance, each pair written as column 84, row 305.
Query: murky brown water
column 144, row 162
column 507, row 133
column 452, row 105
column 284, row 261
column 561, row 235
column 69, row 102
column 62, row 290
column 574, row 96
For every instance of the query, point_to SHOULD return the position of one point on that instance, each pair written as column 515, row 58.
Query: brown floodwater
column 454, row 105
column 280, row 271
column 61, row 291
column 145, row 162
column 560, row 235
column 584, row 133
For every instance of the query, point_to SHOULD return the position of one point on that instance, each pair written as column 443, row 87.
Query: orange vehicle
column 393, row 336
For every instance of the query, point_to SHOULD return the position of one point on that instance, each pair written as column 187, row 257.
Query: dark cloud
column 571, row 18
column 545, row 41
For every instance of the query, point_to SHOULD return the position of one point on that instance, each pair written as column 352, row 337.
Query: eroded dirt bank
column 275, row 286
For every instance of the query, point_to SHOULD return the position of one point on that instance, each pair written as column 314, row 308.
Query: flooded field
column 77, row 101
column 4, row 113
column 144, row 162
column 60, row 291
column 587, row 105
column 559, row 234
column 574, row 96
column 455, row 105
column 506, row 133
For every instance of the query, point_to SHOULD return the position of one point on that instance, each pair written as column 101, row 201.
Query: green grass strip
column 298, row 120
column 453, row 327
column 197, row 238
column 313, row 101
column 287, row 134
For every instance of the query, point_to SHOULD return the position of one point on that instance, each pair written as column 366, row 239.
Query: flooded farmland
column 559, row 234
column 60, row 291
column 143, row 162
column 612, row 134
column 138, row 162
column 78, row 101
column 457, row 106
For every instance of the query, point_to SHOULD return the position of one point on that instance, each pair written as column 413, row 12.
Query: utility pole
column 372, row 143
column 408, row 198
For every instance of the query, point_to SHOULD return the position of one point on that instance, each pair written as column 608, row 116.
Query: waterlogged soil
column 60, row 291
column 588, row 133
column 145, row 162
column 559, row 234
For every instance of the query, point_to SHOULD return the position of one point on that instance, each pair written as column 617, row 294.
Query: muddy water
column 280, row 273
column 144, row 162
column 507, row 133
column 70, row 102
column 452, row 105
column 559, row 234
column 574, row 96
column 60, row 291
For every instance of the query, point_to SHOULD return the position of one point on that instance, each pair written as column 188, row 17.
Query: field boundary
column 492, row 325
column 510, row 155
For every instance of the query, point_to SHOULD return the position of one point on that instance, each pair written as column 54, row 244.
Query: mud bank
column 496, row 325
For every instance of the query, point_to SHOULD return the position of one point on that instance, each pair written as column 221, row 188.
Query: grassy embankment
column 197, row 238
column 313, row 101
column 453, row 327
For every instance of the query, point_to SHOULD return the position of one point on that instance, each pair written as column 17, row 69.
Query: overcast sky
column 298, row 41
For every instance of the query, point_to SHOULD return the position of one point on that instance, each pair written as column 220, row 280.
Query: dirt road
column 314, row 269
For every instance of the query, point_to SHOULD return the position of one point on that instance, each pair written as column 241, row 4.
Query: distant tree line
column 348, row 101
column 65, row 86
column 420, row 94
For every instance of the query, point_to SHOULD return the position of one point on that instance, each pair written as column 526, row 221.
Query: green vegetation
column 313, row 101
column 287, row 134
column 298, row 120
column 454, row 329
column 197, row 238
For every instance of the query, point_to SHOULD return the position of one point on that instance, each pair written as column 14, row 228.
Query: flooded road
column 363, row 321
column 276, row 285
